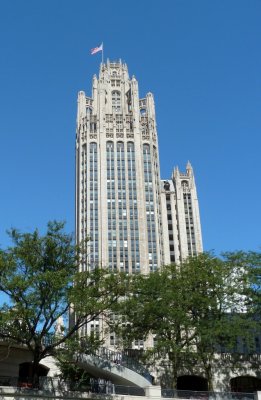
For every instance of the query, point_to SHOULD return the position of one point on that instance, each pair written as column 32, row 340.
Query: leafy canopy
column 40, row 275
column 191, row 310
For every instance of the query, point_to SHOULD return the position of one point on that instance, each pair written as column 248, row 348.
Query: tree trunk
column 35, row 369
column 209, row 377
column 174, row 362
column 175, row 377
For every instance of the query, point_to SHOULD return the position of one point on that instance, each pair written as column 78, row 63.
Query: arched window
column 166, row 185
column 185, row 184
column 146, row 149
column 120, row 145
column 109, row 145
column 93, row 147
column 116, row 101
column 142, row 112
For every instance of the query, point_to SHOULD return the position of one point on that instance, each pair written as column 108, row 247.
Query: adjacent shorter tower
column 135, row 222
column 180, row 216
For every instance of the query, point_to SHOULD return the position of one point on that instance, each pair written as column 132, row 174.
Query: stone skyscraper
column 135, row 221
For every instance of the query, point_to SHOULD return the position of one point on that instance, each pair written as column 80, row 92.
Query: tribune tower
column 135, row 221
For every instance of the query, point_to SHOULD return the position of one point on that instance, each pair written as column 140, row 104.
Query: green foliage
column 40, row 276
column 36, row 274
column 253, row 290
column 67, row 359
column 193, row 309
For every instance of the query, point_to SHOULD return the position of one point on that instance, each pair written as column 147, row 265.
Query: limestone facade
column 134, row 221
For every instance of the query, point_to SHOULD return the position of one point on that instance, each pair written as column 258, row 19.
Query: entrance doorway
column 192, row 382
column 26, row 373
column 245, row 384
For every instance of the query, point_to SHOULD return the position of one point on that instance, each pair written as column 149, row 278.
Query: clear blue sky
column 200, row 58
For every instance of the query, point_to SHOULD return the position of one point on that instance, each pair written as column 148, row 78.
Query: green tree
column 39, row 274
column 67, row 360
column 192, row 309
column 157, row 306
column 215, row 287
column 252, row 262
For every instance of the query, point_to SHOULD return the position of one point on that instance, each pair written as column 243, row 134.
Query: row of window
column 112, row 250
column 189, row 220
column 152, row 242
column 94, row 223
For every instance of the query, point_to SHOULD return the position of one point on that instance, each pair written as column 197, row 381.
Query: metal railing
column 102, row 387
column 109, row 388
column 50, row 384
column 189, row 394
column 15, row 381
column 121, row 359
column 129, row 390
column 9, row 381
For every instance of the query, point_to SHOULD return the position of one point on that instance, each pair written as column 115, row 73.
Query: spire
column 59, row 327
column 175, row 173
column 189, row 166
column 189, row 169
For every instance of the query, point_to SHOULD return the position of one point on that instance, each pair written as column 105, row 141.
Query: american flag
column 96, row 49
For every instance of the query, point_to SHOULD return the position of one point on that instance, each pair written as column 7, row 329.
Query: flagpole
column 102, row 52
